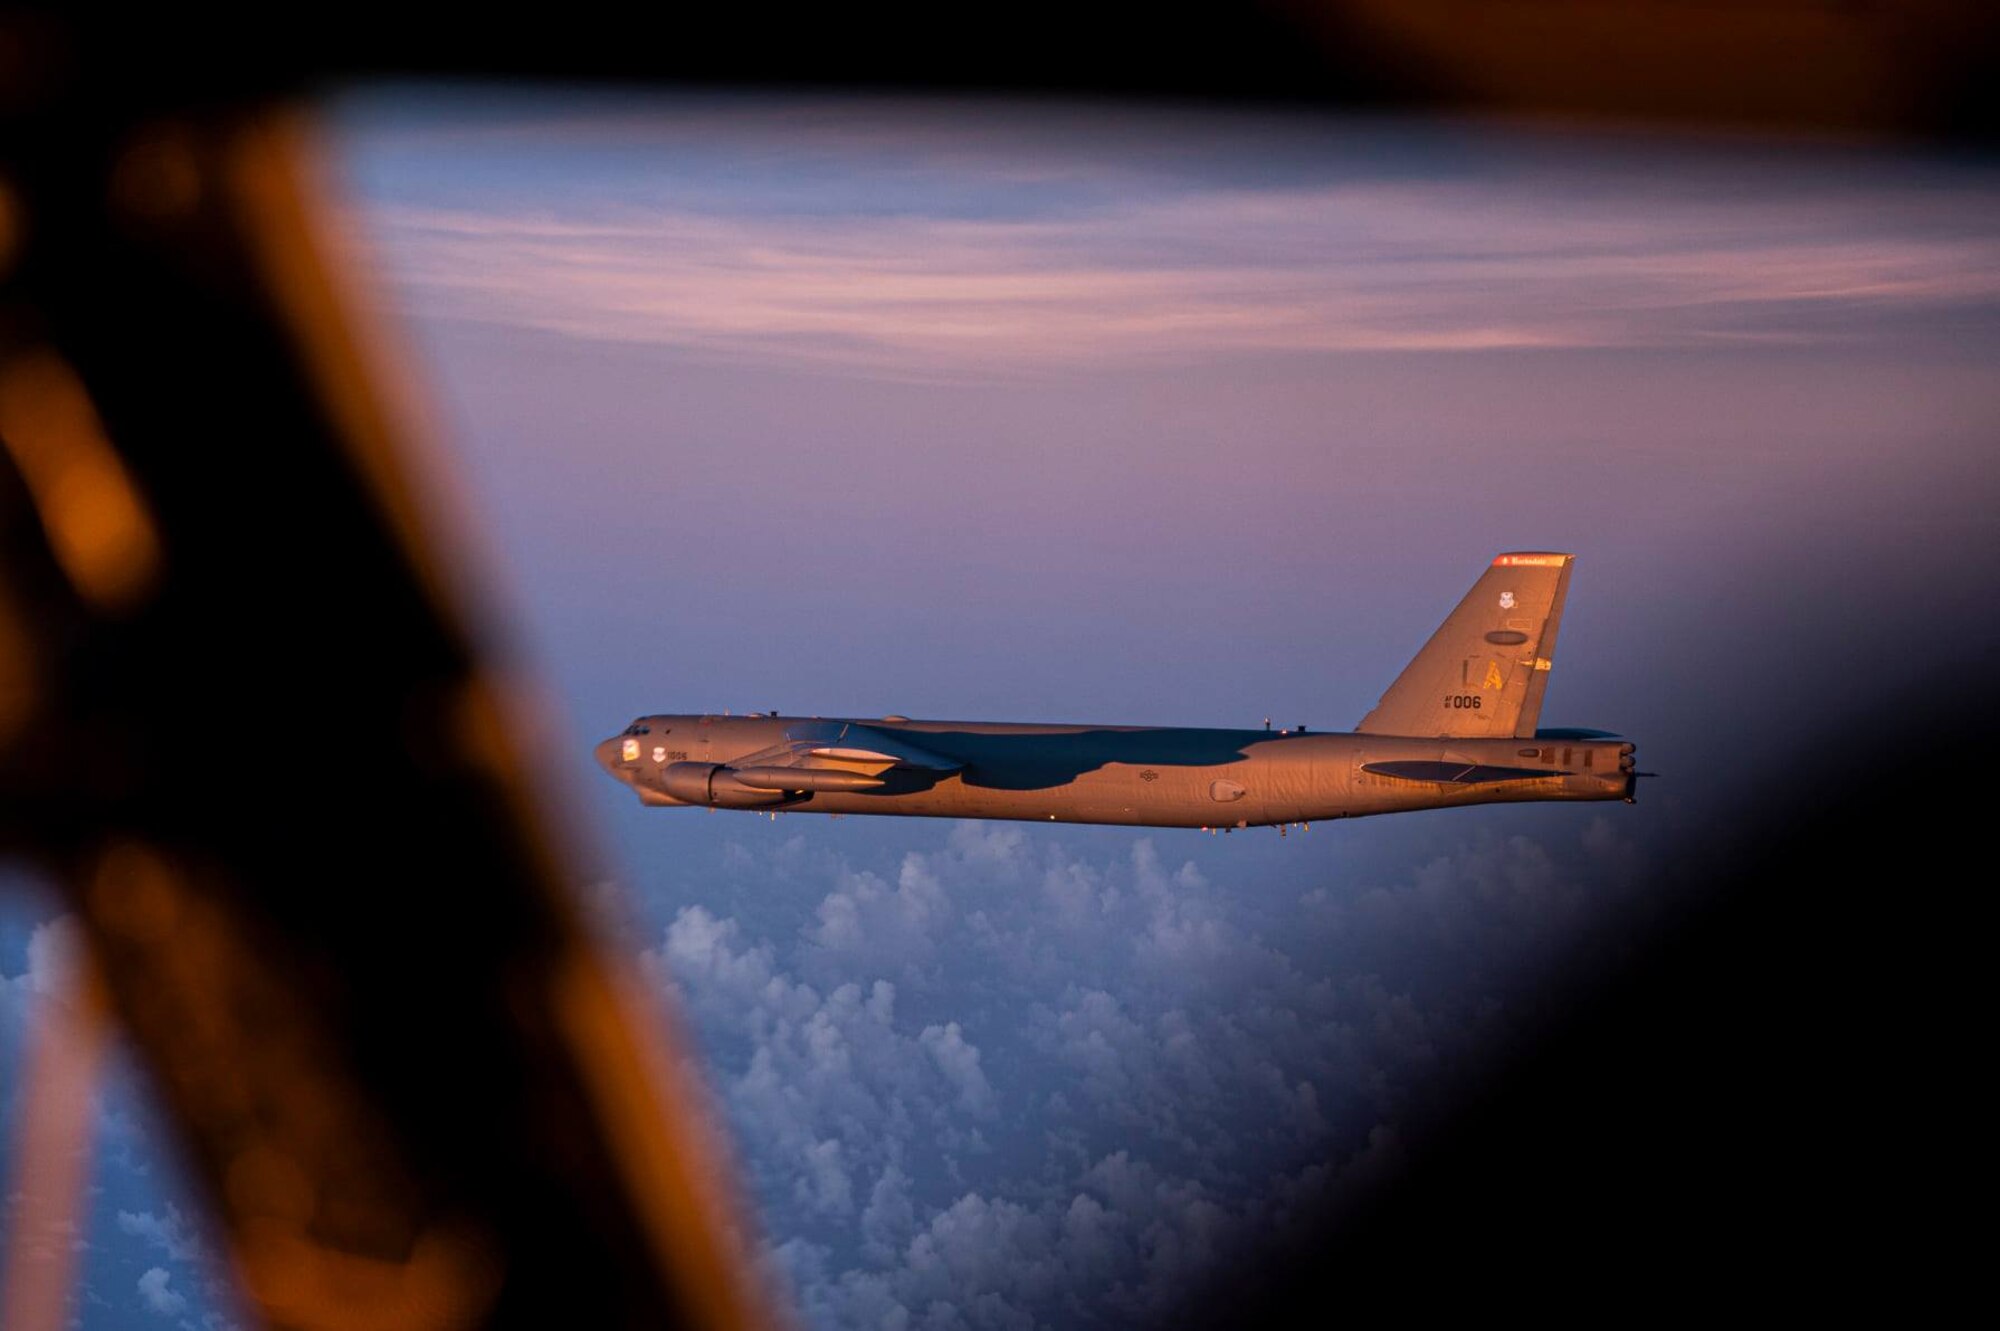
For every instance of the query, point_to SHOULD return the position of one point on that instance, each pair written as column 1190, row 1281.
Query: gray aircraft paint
column 1458, row 726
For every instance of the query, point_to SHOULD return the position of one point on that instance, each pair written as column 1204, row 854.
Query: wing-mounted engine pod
column 714, row 784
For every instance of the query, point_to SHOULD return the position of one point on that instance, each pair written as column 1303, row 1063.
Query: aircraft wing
column 845, row 745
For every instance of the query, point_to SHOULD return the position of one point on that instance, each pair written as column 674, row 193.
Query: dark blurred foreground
column 1776, row 1104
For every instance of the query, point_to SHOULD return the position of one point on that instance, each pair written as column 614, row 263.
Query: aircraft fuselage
column 1147, row 776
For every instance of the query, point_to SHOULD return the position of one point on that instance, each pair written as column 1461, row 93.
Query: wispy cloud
column 1201, row 273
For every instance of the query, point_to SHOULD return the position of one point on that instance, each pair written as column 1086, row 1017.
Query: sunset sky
column 1046, row 412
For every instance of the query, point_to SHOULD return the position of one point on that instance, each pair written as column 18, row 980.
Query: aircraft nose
column 607, row 753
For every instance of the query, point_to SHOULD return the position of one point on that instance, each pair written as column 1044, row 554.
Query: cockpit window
column 637, row 729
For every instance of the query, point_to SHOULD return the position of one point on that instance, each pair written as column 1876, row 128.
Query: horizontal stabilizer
column 1458, row 774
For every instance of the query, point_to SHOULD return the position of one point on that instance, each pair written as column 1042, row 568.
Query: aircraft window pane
column 757, row 304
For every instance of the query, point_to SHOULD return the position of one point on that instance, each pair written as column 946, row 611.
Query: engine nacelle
column 714, row 784
column 804, row 779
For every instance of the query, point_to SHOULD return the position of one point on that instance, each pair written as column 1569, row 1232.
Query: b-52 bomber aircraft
column 1457, row 727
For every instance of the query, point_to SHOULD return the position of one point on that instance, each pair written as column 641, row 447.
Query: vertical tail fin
column 1484, row 671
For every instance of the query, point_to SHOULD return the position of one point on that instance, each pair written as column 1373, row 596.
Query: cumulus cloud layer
column 157, row 1294
column 999, row 1084
column 204, row 1299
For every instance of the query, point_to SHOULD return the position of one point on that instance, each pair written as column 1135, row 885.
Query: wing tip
column 1533, row 559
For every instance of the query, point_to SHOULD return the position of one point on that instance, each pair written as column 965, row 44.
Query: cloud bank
column 1002, row 1084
